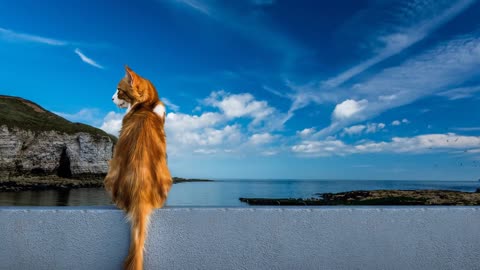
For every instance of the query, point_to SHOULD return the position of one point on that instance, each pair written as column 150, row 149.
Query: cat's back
column 141, row 122
column 141, row 154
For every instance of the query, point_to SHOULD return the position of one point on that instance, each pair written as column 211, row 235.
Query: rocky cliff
column 35, row 142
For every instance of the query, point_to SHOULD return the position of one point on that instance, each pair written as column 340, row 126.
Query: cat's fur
column 138, row 178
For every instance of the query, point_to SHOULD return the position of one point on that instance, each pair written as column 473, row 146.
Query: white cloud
column 112, row 123
column 170, row 105
column 368, row 128
column 374, row 127
column 220, row 132
column 349, row 109
column 11, row 35
column 460, row 93
column 239, row 105
column 87, row 59
column 205, row 151
column 262, row 138
column 184, row 122
column 408, row 145
column 88, row 115
column 209, row 139
column 399, row 122
column 306, row 132
column 357, row 129
column 321, row 148
column 245, row 105
column 303, row 95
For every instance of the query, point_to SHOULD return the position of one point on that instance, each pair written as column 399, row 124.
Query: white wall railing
column 245, row 238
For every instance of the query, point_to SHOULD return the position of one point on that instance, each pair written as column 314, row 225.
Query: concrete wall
column 246, row 238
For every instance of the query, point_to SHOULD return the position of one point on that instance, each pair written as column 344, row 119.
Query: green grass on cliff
column 24, row 114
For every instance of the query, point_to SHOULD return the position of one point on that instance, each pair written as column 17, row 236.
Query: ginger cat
column 138, row 179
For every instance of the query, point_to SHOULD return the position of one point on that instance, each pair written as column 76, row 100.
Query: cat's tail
column 139, row 218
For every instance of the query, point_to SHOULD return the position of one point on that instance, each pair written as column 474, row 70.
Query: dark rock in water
column 378, row 197
column 182, row 180
column 286, row 201
column 47, row 182
column 55, row 182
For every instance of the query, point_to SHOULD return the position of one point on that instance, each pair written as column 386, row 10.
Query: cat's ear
column 130, row 75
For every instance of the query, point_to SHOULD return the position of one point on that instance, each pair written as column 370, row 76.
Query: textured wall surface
column 246, row 238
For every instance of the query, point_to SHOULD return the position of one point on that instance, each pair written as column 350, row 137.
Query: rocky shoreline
column 54, row 182
column 378, row 197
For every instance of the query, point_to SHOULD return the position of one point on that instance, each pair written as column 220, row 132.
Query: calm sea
column 225, row 193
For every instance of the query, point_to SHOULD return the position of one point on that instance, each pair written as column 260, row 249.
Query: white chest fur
column 160, row 110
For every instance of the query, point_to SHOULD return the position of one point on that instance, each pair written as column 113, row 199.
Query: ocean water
column 225, row 193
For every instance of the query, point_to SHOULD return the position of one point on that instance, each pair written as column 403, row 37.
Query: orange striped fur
column 138, row 178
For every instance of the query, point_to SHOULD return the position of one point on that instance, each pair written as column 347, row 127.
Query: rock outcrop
column 377, row 197
column 30, row 153
column 36, row 142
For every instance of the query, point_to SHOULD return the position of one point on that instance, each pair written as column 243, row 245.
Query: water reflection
column 73, row 197
column 225, row 193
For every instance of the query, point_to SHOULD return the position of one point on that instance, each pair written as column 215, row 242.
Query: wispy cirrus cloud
column 197, row 5
column 11, row 35
column 413, row 22
column 460, row 92
column 417, row 77
column 263, row 2
column 251, row 26
column 88, row 60
column 416, row 20
column 14, row 36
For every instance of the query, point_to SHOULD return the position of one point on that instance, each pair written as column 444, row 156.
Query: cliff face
column 35, row 142
column 77, row 155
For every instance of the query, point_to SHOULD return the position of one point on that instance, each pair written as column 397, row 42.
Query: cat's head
column 133, row 89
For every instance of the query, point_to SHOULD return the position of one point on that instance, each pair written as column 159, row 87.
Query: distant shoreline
column 376, row 197
column 16, row 184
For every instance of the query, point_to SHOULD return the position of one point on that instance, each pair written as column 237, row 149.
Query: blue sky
column 267, row 88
